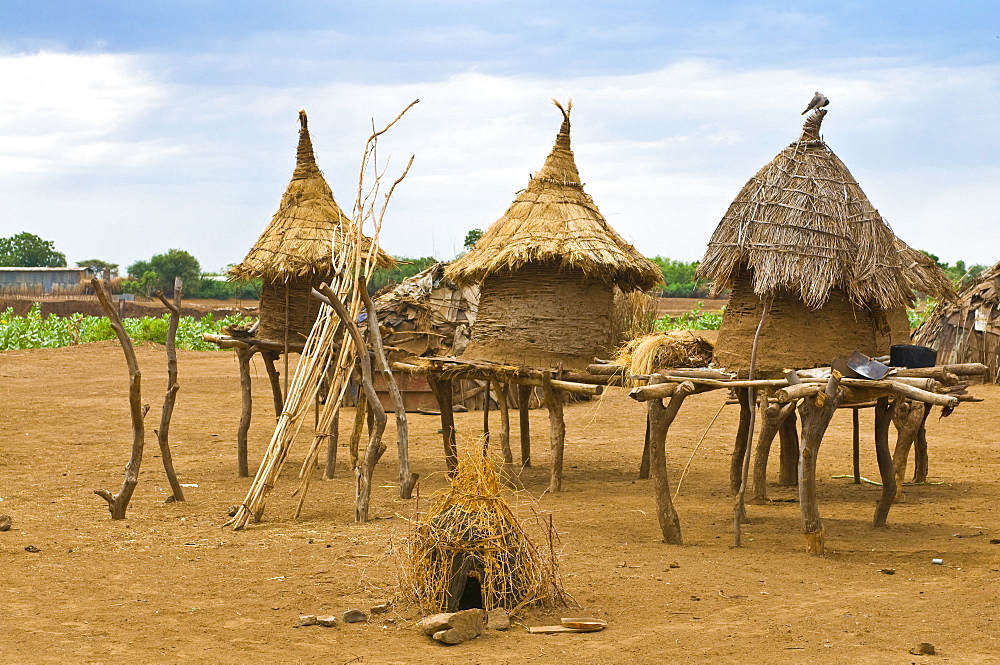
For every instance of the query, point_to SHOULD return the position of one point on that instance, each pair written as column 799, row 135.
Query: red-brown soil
column 169, row 584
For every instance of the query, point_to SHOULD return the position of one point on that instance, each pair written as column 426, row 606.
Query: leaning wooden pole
column 163, row 432
column 406, row 479
column 118, row 503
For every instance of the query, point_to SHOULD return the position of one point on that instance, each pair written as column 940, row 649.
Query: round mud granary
column 549, row 269
column 804, row 240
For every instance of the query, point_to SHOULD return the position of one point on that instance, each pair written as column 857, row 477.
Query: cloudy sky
column 130, row 128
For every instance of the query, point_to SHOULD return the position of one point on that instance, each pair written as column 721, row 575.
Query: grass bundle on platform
column 669, row 348
column 470, row 550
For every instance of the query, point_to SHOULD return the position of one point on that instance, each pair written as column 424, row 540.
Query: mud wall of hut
column 795, row 336
column 540, row 316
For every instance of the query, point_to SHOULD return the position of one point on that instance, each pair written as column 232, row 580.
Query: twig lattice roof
column 554, row 220
column 307, row 230
column 803, row 224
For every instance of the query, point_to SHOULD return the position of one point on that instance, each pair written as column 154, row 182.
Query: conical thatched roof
column 554, row 220
column 307, row 229
column 802, row 224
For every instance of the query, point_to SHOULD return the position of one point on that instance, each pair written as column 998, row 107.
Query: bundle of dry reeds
column 471, row 524
column 803, row 224
column 554, row 220
column 633, row 315
column 665, row 349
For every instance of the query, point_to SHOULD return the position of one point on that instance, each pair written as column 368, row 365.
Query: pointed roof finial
column 305, row 160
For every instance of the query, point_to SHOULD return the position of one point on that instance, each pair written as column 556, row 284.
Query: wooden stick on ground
column 163, row 432
column 118, row 503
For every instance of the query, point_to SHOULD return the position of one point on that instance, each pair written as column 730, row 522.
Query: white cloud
column 662, row 152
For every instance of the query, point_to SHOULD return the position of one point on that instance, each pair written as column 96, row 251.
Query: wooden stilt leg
column 644, row 464
column 523, row 396
column 856, row 419
column 660, row 418
column 816, row 413
column 883, row 418
column 908, row 418
column 920, row 450
column 788, row 471
column 742, row 439
column 360, row 410
column 273, row 377
column 557, row 432
column 331, row 451
column 503, row 394
column 772, row 416
column 442, row 389
column 244, row 356
column 486, row 417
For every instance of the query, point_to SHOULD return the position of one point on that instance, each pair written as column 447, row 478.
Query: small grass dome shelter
column 803, row 237
column 297, row 249
column 548, row 270
column 968, row 329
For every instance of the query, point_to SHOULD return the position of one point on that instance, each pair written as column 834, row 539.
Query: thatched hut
column 297, row 250
column 802, row 236
column 548, row 270
column 967, row 330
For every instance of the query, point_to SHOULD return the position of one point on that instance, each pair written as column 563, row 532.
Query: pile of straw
column 665, row 349
column 471, row 522
column 802, row 224
column 555, row 220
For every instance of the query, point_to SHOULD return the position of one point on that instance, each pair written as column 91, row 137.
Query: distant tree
column 28, row 250
column 679, row 278
column 472, row 237
column 404, row 269
column 97, row 266
column 167, row 266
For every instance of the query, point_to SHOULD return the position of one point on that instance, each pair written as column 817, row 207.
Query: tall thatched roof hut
column 548, row 270
column 803, row 236
column 968, row 329
column 297, row 249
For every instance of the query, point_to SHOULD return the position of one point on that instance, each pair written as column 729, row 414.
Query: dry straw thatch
column 554, row 221
column 471, row 530
column 803, row 225
column 663, row 350
column 968, row 329
column 308, row 229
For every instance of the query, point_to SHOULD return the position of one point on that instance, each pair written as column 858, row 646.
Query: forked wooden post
column 118, row 503
column 360, row 414
column 909, row 418
column 557, row 432
column 274, row 379
column 442, row 389
column 772, row 416
column 883, row 418
column 816, row 413
column 524, row 422
column 660, row 418
column 163, row 431
column 246, row 413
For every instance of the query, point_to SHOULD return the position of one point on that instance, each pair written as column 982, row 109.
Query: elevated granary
column 299, row 248
column 802, row 236
column 549, row 268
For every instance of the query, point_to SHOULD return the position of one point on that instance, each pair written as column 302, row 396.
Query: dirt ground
column 169, row 584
